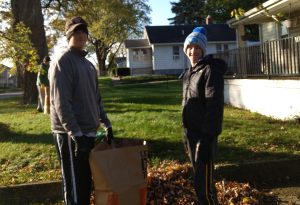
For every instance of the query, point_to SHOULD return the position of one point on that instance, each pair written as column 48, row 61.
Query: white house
column 161, row 50
column 6, row 79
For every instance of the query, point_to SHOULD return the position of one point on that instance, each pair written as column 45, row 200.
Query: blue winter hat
column 197, row 37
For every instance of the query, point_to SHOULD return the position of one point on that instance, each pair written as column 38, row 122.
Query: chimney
column 209, row 20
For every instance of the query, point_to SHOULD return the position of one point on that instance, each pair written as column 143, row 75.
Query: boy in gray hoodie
column 76, row 112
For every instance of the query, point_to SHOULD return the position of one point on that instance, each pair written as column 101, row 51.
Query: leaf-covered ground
column 170, row 183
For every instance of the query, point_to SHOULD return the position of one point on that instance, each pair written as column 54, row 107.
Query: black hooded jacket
column 203, row 97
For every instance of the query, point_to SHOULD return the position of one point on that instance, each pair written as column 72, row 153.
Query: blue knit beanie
column 197, row 37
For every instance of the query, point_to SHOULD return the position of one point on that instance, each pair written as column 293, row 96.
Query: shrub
column 123, row 71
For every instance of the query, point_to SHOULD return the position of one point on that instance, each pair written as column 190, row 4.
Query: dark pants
column 75, row 169
column 203, row 169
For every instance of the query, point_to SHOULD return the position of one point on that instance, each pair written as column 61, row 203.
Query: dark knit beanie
column 76, row 23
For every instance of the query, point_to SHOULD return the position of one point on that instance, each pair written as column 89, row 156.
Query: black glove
column 109, row 135
column 83, row 146
column 204, row 150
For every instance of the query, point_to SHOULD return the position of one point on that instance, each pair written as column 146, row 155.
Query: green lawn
column 146, row 111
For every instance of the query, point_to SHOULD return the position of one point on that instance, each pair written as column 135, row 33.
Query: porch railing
column 276, row 58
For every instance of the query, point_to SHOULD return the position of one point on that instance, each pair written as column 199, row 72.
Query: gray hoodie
column 75, row 101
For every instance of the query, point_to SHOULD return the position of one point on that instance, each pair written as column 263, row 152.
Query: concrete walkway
column 10, row 95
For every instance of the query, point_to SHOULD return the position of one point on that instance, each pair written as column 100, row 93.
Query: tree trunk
column 101, row 53
column 30, row 13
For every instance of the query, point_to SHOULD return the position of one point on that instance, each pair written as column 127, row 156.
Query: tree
column 187, row 12
column 17, row 42
column 16, row 45
column 194, row 11
column 30, row 13
column 223, row 10
column 110, row 22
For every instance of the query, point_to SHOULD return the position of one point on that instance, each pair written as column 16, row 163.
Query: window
column 225, row 46
column 284, row 35
column 135, row 53
column 219, row 48
column 222, row 47
column 141, row 54
column 175, row 52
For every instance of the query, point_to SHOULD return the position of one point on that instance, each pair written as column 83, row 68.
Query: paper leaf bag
column 120, row 173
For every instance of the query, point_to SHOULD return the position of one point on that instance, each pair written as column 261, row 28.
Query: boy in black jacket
column 202, row 115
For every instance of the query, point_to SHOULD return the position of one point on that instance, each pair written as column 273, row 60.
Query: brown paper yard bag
column 120, row 173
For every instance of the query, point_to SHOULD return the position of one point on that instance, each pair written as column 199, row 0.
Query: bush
column 122, row 71
column 113, row 71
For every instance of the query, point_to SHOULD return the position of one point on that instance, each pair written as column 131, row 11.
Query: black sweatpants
column 203, row 170
column 75, row 169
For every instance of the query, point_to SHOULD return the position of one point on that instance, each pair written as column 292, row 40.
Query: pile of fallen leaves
column 170, row 183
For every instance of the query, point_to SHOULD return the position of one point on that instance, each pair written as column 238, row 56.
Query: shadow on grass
column 166, row 150
column 155, row 99
column 7, row 136
column 125, row 108
column 160, row 149
column 236, row 155
column 12, row 105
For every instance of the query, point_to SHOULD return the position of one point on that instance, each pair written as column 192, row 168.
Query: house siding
column 295, row 31
column 212, row 46
column 139, row 67
column 163, row 62
column 269, row 31
column 7, row 80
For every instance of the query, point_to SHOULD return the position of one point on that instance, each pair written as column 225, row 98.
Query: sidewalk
column 280, row 177
column 10, row 94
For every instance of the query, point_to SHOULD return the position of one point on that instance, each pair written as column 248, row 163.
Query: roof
column 4, row 67
column 273, row 7
column 136, row 43
column 178, row 33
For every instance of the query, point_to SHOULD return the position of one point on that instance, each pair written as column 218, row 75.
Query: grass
column 146, row 111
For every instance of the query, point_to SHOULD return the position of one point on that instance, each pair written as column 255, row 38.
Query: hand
column 109, row 135
column 204, row 151
column 83, row 146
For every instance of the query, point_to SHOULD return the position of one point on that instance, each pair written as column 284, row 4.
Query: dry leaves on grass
column 171, row 183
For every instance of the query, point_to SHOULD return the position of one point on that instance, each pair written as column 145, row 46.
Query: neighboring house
column 265, row 77
column 6, row 79
column 161, row 50
column 276, row 19
column 278, row 23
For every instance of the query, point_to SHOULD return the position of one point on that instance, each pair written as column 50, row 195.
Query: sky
column 161, row 11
